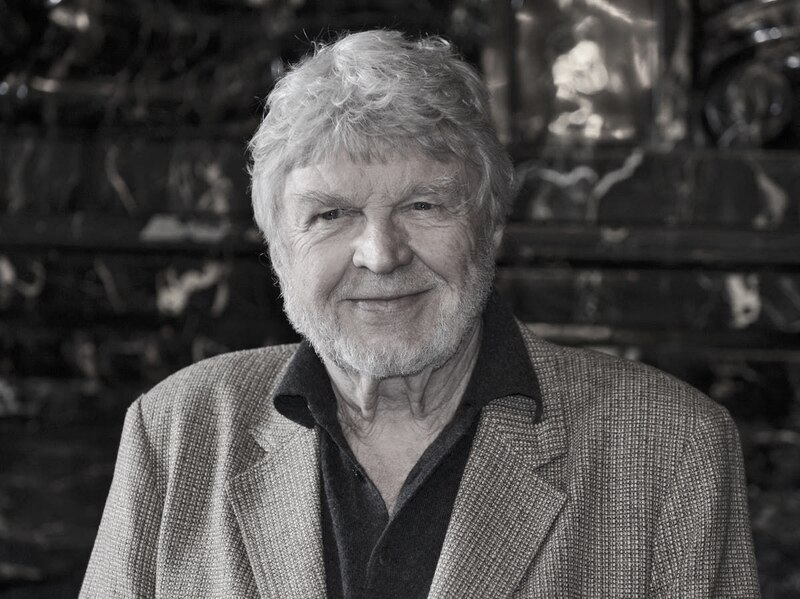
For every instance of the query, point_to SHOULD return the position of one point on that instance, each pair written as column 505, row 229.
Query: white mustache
column 368, row 285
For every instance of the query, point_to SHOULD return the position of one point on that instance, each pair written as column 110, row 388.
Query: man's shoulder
column 589, row 384
column 229, row 385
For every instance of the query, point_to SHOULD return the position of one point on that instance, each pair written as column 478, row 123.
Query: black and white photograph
column 383, row 299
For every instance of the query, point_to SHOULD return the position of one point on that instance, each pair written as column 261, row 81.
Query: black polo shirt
column 368, row 551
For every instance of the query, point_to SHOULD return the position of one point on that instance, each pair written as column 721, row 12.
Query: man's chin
column 382, row 361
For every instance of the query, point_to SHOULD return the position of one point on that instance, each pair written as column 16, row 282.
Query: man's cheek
column 321, row 280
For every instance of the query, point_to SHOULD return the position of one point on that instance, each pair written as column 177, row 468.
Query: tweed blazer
column 624, row 482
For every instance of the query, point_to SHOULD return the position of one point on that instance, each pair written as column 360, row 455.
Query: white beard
column 454, row 320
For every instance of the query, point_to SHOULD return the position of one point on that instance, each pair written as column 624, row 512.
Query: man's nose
column 382, row 247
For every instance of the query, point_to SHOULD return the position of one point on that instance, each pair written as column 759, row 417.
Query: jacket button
column 383, row 558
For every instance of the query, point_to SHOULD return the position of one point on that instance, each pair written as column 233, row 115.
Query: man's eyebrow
column 446, row 185
column 319, row 197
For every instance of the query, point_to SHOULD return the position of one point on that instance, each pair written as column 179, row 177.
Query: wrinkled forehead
column 435, row 166
column 400, row 177
column 330, row 148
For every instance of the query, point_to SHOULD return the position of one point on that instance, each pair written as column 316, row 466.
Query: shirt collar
column 502, row 368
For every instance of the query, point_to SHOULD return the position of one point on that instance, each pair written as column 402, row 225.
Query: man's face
column 380, row 265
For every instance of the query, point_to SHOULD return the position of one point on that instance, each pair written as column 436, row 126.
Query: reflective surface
column 601, row 72
column 750, row 69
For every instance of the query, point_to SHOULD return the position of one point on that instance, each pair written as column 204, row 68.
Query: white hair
column 370, row 96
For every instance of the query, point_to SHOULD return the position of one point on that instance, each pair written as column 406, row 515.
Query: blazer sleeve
column 123, row 559
column 703, row 542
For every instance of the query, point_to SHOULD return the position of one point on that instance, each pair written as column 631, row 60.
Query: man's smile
column 389, row 302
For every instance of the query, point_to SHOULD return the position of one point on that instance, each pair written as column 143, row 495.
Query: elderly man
column 419, row 442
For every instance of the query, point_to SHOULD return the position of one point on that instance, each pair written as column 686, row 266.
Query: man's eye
column 332, row 214
column 422, row 206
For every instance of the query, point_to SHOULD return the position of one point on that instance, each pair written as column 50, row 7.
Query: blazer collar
column 276, row 502
column 504, row 508
column 277, row 507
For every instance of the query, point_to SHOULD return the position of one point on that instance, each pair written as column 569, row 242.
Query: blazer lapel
column 277, row 507
column 504, row 509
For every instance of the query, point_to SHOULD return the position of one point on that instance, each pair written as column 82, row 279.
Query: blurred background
column 658, row 146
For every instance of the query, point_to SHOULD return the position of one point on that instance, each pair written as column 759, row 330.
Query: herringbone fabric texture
column 630, row 484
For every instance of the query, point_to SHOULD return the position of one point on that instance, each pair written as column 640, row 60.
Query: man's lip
column 388, row 298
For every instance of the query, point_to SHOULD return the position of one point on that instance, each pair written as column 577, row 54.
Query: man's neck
column 425, row 401
column 389, row 423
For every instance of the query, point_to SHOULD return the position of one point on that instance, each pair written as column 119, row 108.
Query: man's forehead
column 400, row 175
